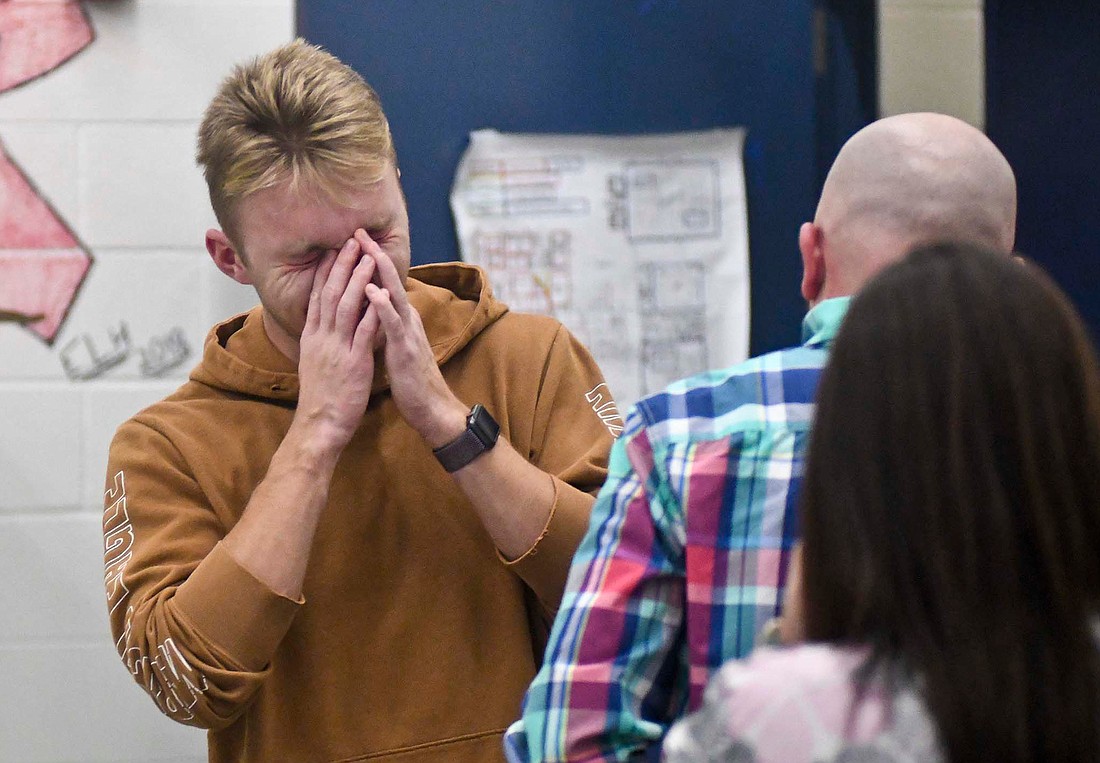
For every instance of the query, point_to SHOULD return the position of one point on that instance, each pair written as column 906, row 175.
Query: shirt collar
column 820, row 325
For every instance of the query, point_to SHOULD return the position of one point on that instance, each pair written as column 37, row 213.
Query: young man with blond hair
column 345, row 536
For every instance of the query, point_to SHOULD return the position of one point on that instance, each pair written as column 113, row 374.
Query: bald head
column 907, row 180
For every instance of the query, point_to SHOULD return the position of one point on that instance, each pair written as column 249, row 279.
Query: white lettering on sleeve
column 118, row 540
column 606, row 409
column 167, row 676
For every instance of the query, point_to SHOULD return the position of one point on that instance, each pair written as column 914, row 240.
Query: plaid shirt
column 685, row 557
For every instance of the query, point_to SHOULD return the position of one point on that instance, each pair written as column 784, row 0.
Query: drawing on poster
column 672, row 200
column 524, row 186
column 638, row 244
column 42, row 264
column 530, row 270
column 672, row 302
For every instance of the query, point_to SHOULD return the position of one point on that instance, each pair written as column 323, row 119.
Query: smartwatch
column 480, row 436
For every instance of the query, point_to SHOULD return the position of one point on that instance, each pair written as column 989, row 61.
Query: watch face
column 483, row 425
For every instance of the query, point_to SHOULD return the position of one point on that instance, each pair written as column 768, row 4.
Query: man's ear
column 225, row 256
column 810, row 244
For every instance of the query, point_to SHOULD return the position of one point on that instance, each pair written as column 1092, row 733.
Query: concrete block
column 137, row 317
column 46, row 153
column 40, row 447
column 76, row 703
column 25, row 357
column 154, row 59
column 106, row 407
column 54, row 579
column 140, row 187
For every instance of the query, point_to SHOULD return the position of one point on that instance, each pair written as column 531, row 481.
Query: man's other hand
column 419, row 390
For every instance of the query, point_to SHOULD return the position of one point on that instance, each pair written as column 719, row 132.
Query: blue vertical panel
column 1043, row 111
column 847, row 75
column 597, row 66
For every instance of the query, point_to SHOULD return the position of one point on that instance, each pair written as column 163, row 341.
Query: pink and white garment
column 799, row 705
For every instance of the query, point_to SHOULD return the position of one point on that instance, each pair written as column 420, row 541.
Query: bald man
column 687, row 551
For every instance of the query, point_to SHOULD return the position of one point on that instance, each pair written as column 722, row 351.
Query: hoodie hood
column 455, row 302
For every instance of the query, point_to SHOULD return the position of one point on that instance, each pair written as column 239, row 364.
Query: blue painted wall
column 605, row 66
column 1043, row 111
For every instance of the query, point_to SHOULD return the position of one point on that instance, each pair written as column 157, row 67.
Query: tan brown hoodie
column 415, row 640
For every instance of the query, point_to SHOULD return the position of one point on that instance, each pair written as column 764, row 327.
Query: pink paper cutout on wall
column 38, row 35
column 42, row 264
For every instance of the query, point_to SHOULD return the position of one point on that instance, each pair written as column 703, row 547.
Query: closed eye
column 307, row 258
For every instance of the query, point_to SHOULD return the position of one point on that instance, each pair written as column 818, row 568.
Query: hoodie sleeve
column 575, row 422
column 195, row 630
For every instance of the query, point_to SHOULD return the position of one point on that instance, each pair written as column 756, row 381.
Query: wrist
column 315, row 442
column 443, row 423
column 479, row 437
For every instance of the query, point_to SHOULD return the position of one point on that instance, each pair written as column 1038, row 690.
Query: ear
column 225, row 256
column 810, row 244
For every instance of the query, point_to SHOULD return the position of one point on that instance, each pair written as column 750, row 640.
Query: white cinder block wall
column 108, row 138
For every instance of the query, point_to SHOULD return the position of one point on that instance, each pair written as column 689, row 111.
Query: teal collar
column 820, row 325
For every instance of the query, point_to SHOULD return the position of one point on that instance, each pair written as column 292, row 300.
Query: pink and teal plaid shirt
column 685, row 557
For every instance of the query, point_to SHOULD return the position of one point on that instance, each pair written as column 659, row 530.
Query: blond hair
column 295, row 115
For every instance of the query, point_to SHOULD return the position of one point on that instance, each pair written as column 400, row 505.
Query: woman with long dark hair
column 950, row 576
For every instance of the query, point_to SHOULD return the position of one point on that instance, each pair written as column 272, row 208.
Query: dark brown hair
column 951, row 503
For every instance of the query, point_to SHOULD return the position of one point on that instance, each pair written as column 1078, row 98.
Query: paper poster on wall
column 638, row 244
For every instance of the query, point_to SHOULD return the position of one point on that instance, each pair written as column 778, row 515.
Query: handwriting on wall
column 88, row 356
column 164, row 353
column 42, row 264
